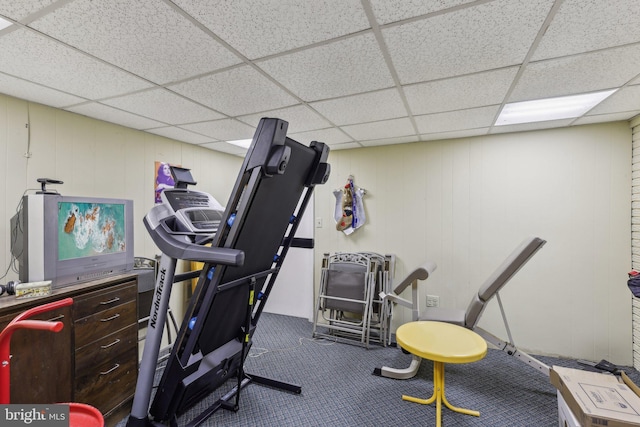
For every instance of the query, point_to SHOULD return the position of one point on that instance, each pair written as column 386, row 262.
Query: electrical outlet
column 433, row 301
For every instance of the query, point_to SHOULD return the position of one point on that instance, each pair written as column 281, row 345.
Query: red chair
column 80, row 414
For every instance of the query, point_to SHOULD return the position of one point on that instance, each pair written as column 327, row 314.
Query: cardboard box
column 565, row 415
column 598, row 399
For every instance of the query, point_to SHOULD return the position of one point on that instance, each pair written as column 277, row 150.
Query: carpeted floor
column 338, row 388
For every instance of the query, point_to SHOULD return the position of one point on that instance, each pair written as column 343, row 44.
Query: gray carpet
column 338, row 388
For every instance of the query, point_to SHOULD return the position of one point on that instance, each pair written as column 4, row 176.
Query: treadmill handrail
column 179, row 249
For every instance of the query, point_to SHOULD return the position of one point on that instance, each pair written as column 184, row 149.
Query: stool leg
column 461, row 410
column 425, row 401
column 439, row 396
column 455, row 408
column 418, row 400
column 438, row 385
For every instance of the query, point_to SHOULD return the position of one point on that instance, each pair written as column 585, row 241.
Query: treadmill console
column 195, row 211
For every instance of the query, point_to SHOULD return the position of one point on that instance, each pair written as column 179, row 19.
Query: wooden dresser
column 94, row 359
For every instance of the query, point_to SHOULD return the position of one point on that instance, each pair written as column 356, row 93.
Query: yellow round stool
column 442, row 343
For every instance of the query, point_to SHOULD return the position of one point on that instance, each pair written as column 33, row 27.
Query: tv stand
column 93, row 360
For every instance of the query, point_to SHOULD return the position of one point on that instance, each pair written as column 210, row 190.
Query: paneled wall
column 94, row 158
column 466, row 204
column 635, row 235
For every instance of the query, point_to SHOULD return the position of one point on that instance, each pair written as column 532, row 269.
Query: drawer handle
column 110, row 345
column 55, row 319
column 116, row 366
column 108, row 319
column 111, row 301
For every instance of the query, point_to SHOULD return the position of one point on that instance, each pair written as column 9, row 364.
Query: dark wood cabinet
column 93, row 360
column 40, row 368
column 106, row 352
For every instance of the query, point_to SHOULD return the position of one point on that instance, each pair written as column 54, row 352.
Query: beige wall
column 466, row 204
column 95, row 158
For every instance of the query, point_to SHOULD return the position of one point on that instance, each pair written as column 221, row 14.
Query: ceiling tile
column 625, row 99
column 608, row 69
column 454, row 134
column 109, row 114
column 180, row 134
column 329, row 136
column 235, row 92
column 226, row 148
column 300, row 118
column 36, row 93
column 250, row 25
column 36, row 58
column 344, row 67
column 138, row 36
column 582, row 26
column 381, row 129
column 389, row 141
column 18, row 10
column 474, row 90
column 223, row 130
column 387, row 11
column 531, row 126
column 604, row 118
column 165, row 106
column 487, row 36
column 366, row 107
column 472, row 118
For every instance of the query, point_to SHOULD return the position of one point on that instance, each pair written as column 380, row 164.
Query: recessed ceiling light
column 4, row 23
column 541, row 110
column 244, row 143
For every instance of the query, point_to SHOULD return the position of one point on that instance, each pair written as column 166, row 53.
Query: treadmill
column 242, row 248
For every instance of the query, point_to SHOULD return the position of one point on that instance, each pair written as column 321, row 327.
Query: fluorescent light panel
column 4, row 23
column 542, row 110
column 243, row 143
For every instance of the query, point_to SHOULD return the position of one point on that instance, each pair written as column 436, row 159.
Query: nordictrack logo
column 34, row 415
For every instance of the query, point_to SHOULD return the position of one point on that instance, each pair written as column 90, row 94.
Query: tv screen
column 89, row 229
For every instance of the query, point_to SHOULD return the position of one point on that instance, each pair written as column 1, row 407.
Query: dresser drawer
column 103, row 299
column 107, row 385
column 99, row 325
column 105, row 349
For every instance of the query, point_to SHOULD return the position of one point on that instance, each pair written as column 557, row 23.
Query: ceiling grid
column 351, row 73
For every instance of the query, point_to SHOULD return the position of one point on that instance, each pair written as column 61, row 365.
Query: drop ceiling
column 351, row 73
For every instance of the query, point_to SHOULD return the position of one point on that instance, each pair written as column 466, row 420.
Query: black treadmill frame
column 273, row 188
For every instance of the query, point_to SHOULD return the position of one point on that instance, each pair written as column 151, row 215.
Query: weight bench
column 470, row 317
column 272, row 190
column 421, row 273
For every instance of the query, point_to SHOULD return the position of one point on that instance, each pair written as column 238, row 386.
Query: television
column 71, row 240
